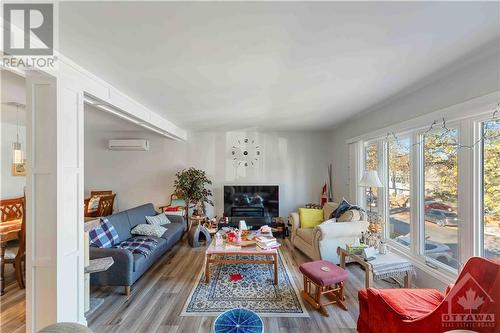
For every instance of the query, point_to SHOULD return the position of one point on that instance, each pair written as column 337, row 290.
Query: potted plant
column 190, row 184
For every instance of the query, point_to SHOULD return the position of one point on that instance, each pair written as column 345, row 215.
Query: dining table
column 9, row 230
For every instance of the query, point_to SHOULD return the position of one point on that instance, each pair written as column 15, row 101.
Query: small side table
column 367, row 266
column 97, row 265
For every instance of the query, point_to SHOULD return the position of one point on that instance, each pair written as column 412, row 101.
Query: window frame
column 468, row 117
column 477, row 244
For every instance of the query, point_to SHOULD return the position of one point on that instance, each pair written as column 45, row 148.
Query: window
column 491, row 188
column 441, row 219
column 399, row 190
column 441, row 196
column 372, row 163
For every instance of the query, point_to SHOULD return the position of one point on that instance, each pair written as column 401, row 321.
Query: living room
column 329, row 166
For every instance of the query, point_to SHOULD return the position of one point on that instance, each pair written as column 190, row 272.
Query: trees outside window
column 441, row 196
column 399, row 173
column 491, row 188
column 372, row 163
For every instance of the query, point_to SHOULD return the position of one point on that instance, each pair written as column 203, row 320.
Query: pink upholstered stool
column 329, row 281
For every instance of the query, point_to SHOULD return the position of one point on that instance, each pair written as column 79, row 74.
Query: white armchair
column 321, row 242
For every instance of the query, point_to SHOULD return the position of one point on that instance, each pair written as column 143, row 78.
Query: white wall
column 296, row 161
column 11, row 186
column 137, row 177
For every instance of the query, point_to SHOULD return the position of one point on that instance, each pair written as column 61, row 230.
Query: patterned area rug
column 255, row 291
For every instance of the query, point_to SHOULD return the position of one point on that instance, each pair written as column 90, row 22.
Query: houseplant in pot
column 191, row 185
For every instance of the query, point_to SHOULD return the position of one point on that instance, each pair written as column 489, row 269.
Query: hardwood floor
column 158, row 297
column 12, row 304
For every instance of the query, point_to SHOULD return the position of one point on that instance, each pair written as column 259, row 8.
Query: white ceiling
column 12, row 91
column 267, row 65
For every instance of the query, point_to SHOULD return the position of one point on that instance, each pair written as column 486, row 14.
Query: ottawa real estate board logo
column 469, row 306
column 28, row 35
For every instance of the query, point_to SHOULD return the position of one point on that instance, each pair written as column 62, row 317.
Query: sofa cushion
column 306, row 234
column 148, row 230
column 121, row 223
column 309, row 218
column 173, row 233
column 138, row 215
column 410, row 304
column 142, row 263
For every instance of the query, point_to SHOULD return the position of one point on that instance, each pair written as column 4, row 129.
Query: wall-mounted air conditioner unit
column 129, row 144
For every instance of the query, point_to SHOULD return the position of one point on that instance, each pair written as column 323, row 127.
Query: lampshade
column 370, row 179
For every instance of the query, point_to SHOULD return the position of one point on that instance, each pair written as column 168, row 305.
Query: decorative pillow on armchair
column 343, row 207
column 350, row 215
column 309, row 218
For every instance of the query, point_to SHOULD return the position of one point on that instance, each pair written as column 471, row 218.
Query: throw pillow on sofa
column 309, row 217
column 148, row 230
column 159, row 219
column 103, row 236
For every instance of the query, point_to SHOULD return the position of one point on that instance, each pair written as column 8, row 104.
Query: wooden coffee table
column 218, row 255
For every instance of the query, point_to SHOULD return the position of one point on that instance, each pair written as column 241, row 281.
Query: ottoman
column 328, row 280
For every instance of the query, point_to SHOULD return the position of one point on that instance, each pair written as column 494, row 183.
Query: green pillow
column 178, row 202
column 310, row 217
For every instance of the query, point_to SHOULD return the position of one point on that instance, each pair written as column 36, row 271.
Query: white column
column 54, row 260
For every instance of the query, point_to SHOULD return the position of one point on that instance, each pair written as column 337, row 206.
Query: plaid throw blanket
column 139, row 244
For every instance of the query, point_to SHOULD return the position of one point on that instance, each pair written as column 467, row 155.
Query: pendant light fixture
column 17, row 151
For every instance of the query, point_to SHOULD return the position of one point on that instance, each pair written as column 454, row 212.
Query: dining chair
column 15, row 255
column 106, row 205
column 100, row 193
column 87, row 211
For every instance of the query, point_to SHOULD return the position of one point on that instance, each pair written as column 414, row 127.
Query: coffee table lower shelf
column 216, row 258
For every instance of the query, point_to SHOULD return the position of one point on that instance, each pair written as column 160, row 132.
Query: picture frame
column 19, row 169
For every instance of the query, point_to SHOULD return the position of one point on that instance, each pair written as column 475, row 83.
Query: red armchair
column 472, row 303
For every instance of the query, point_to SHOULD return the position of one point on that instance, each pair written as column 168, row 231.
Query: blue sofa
column 128, row 267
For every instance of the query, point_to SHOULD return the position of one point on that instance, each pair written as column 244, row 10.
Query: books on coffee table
column 267, row 242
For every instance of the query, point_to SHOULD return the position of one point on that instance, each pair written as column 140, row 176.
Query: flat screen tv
column 251, row 200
